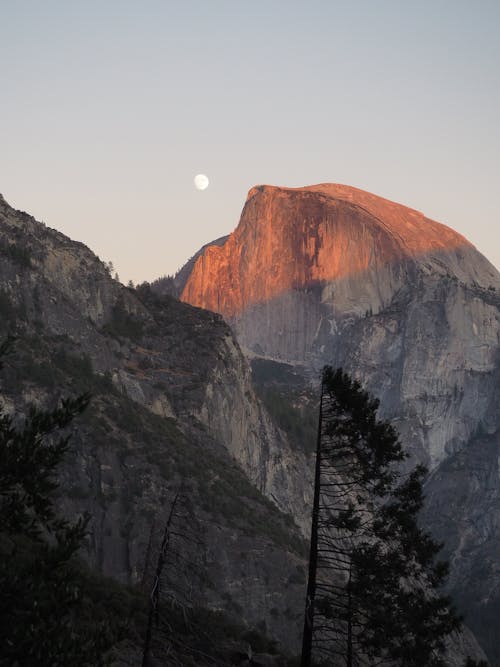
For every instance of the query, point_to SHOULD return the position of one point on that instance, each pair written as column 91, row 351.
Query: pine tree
column 373, row 590
column 44, row 616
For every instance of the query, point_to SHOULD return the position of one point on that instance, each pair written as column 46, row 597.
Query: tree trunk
column 155, row 592
column 313, row 552
column 349, row 621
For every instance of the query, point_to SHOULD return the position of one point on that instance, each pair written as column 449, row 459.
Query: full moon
column 201, row 182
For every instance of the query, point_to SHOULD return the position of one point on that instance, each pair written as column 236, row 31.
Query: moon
column 201, row 182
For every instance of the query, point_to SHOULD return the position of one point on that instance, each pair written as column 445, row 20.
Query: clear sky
column 109, row 108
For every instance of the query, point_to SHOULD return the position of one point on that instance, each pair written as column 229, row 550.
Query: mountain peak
column 299, row 238
column 416, row 230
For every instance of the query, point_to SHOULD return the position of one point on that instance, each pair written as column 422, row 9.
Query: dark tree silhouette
column 373, row 590
column 45, row 618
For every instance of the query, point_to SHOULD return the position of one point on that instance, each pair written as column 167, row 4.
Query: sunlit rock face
column 332, row 274
column 302, row 240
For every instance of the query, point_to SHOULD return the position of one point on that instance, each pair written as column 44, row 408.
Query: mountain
column 173, row 408
column 332, row 274
column 176, row 407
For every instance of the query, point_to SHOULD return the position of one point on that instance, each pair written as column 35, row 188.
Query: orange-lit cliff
column 291, row 239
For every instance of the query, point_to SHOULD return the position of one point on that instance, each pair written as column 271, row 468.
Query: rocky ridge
column 173, row 405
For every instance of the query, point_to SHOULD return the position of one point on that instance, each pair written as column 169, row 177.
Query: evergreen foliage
column 46, row 614
column 17, row 253
column 373, row 594
column 124, row 324
column 296, row 420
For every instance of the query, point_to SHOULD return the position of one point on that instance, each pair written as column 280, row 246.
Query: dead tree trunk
column 313, row 552
column 155, row 592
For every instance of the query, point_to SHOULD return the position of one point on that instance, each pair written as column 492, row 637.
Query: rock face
column 173, row 404
column 331, row 274
column 301, row 258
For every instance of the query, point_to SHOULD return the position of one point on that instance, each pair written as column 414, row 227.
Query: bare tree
column 155, row 591
column 173, row 574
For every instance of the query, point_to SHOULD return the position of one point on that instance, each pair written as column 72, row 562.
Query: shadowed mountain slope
column 173, row 405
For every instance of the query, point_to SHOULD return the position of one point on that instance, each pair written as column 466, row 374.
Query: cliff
column 303, row 239
column 330, row 274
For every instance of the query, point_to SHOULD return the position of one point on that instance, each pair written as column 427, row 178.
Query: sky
column 109, row 108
